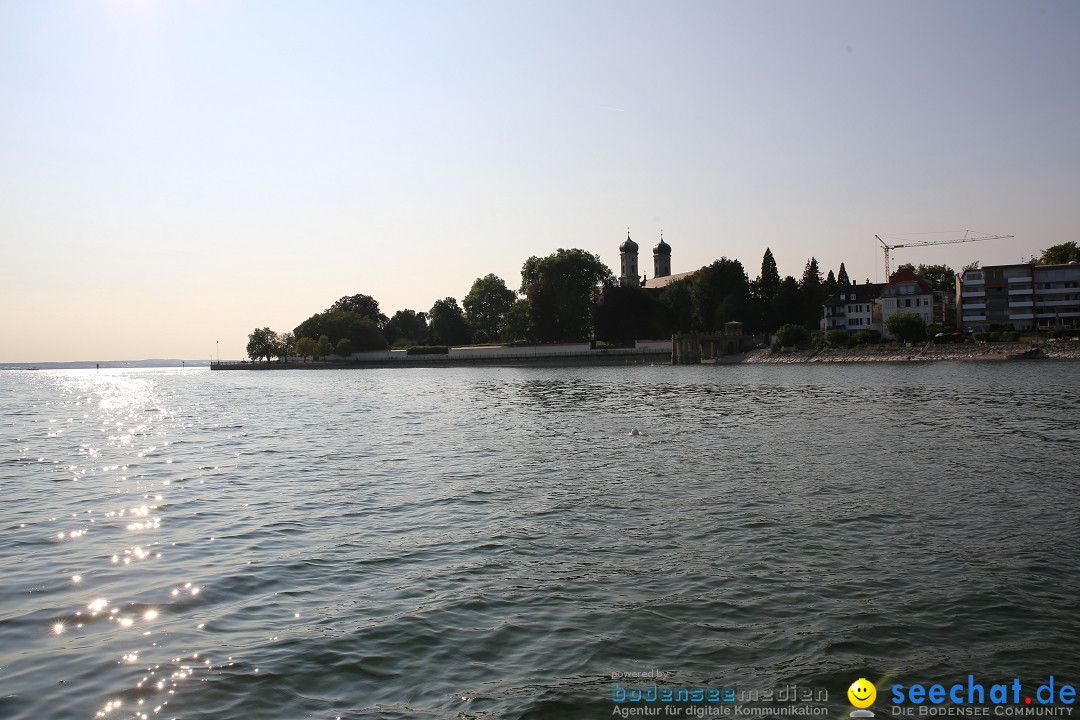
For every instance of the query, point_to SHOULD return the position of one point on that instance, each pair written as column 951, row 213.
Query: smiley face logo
column 862, row 693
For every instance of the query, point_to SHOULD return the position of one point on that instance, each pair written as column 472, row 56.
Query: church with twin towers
column 628, row 265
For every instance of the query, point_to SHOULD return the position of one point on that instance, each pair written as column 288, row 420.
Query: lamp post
column 217, row 344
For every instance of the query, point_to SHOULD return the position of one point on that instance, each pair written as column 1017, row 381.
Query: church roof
column 659, row 282
column 662, row 248
column 629, row 246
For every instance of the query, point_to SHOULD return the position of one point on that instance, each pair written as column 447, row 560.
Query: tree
column 811, row 290
column 768, row 283
column 448, row 325
column 830, row 285
column 364, row 305
column 940, row 277
column 305, row 347
column 625, row 314
column 720, row 293
column 486, row 304
column 842, row 279
column 677, row 307
column 906, row 327
column 323, row 347
column 515, row 323
column 262, row 343
column 343, row 348
column 787, row 306
column 286, row 341
column 562, row 290
column 337, row 324
column 1062, row 254
column 407, row 328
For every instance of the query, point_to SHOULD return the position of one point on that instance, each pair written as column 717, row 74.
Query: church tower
column 661, row 257
column 628, row 251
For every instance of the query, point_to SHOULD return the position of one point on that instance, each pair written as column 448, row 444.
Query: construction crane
column 887, row 247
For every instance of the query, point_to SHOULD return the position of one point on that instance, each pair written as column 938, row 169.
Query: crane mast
column 967, row 238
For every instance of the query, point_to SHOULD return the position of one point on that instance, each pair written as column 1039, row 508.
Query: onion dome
column 662, row 248
column 629, row 246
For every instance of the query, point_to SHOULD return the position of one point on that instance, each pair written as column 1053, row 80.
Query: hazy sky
column 174, row 174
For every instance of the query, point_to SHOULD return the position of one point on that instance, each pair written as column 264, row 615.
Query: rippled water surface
column 491, row 543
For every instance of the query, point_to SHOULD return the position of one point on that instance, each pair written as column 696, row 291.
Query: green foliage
column 677, row 307
column 515, row 323
column 720, row 293
column 941, row 277
column 262, row 343
column 428, row 350
column 842, row 279
column 995, row 337
column 562, row 290
column 626, row 314
column 364, row 305
column 447, row 324
column 768, row 283
column 906, row 327
column 864, row 337
column 305, row 347
column 1060, row 254
column 485, row 306
column 1010, row 336
column 323, row 348
column 831, row 285
column 338, row 324
column 286, row 341
column 837, row 338
column 980, row 336
column 406, row 327
column 811, row 294
column 787, row 307
column 343, row 348
column 792, row 335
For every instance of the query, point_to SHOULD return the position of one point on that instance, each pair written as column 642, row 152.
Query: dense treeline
column 568, row 296
column 571, row 295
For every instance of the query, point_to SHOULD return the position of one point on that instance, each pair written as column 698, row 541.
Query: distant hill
column 91, row 364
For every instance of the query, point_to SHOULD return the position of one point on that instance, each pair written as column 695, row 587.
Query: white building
column 906, row 292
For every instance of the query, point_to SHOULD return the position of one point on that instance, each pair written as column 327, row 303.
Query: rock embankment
column 1061, row 349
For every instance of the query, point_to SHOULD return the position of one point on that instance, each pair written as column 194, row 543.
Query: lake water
column 491, row 543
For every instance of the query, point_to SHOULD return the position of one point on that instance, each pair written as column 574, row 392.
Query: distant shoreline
column 1060, row 350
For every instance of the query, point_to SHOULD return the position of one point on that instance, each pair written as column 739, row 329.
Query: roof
column 656, row 283
column 903, row 275
column 863, row 293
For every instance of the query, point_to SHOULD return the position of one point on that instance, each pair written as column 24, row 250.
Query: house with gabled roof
column 853, row 308
column 908, row 293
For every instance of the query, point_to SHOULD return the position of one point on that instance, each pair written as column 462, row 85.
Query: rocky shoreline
column 1061, row 350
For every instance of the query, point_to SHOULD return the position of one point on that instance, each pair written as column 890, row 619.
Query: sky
column 176, row 174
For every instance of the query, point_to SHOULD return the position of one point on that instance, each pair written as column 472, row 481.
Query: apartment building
column 1018, row 297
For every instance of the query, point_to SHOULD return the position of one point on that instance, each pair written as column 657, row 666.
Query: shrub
column 995, row 337
column 980, row 336
column 906, row 326
column 863, row 337
column 1010, row 336
column 838, row 338
column 793, row 336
